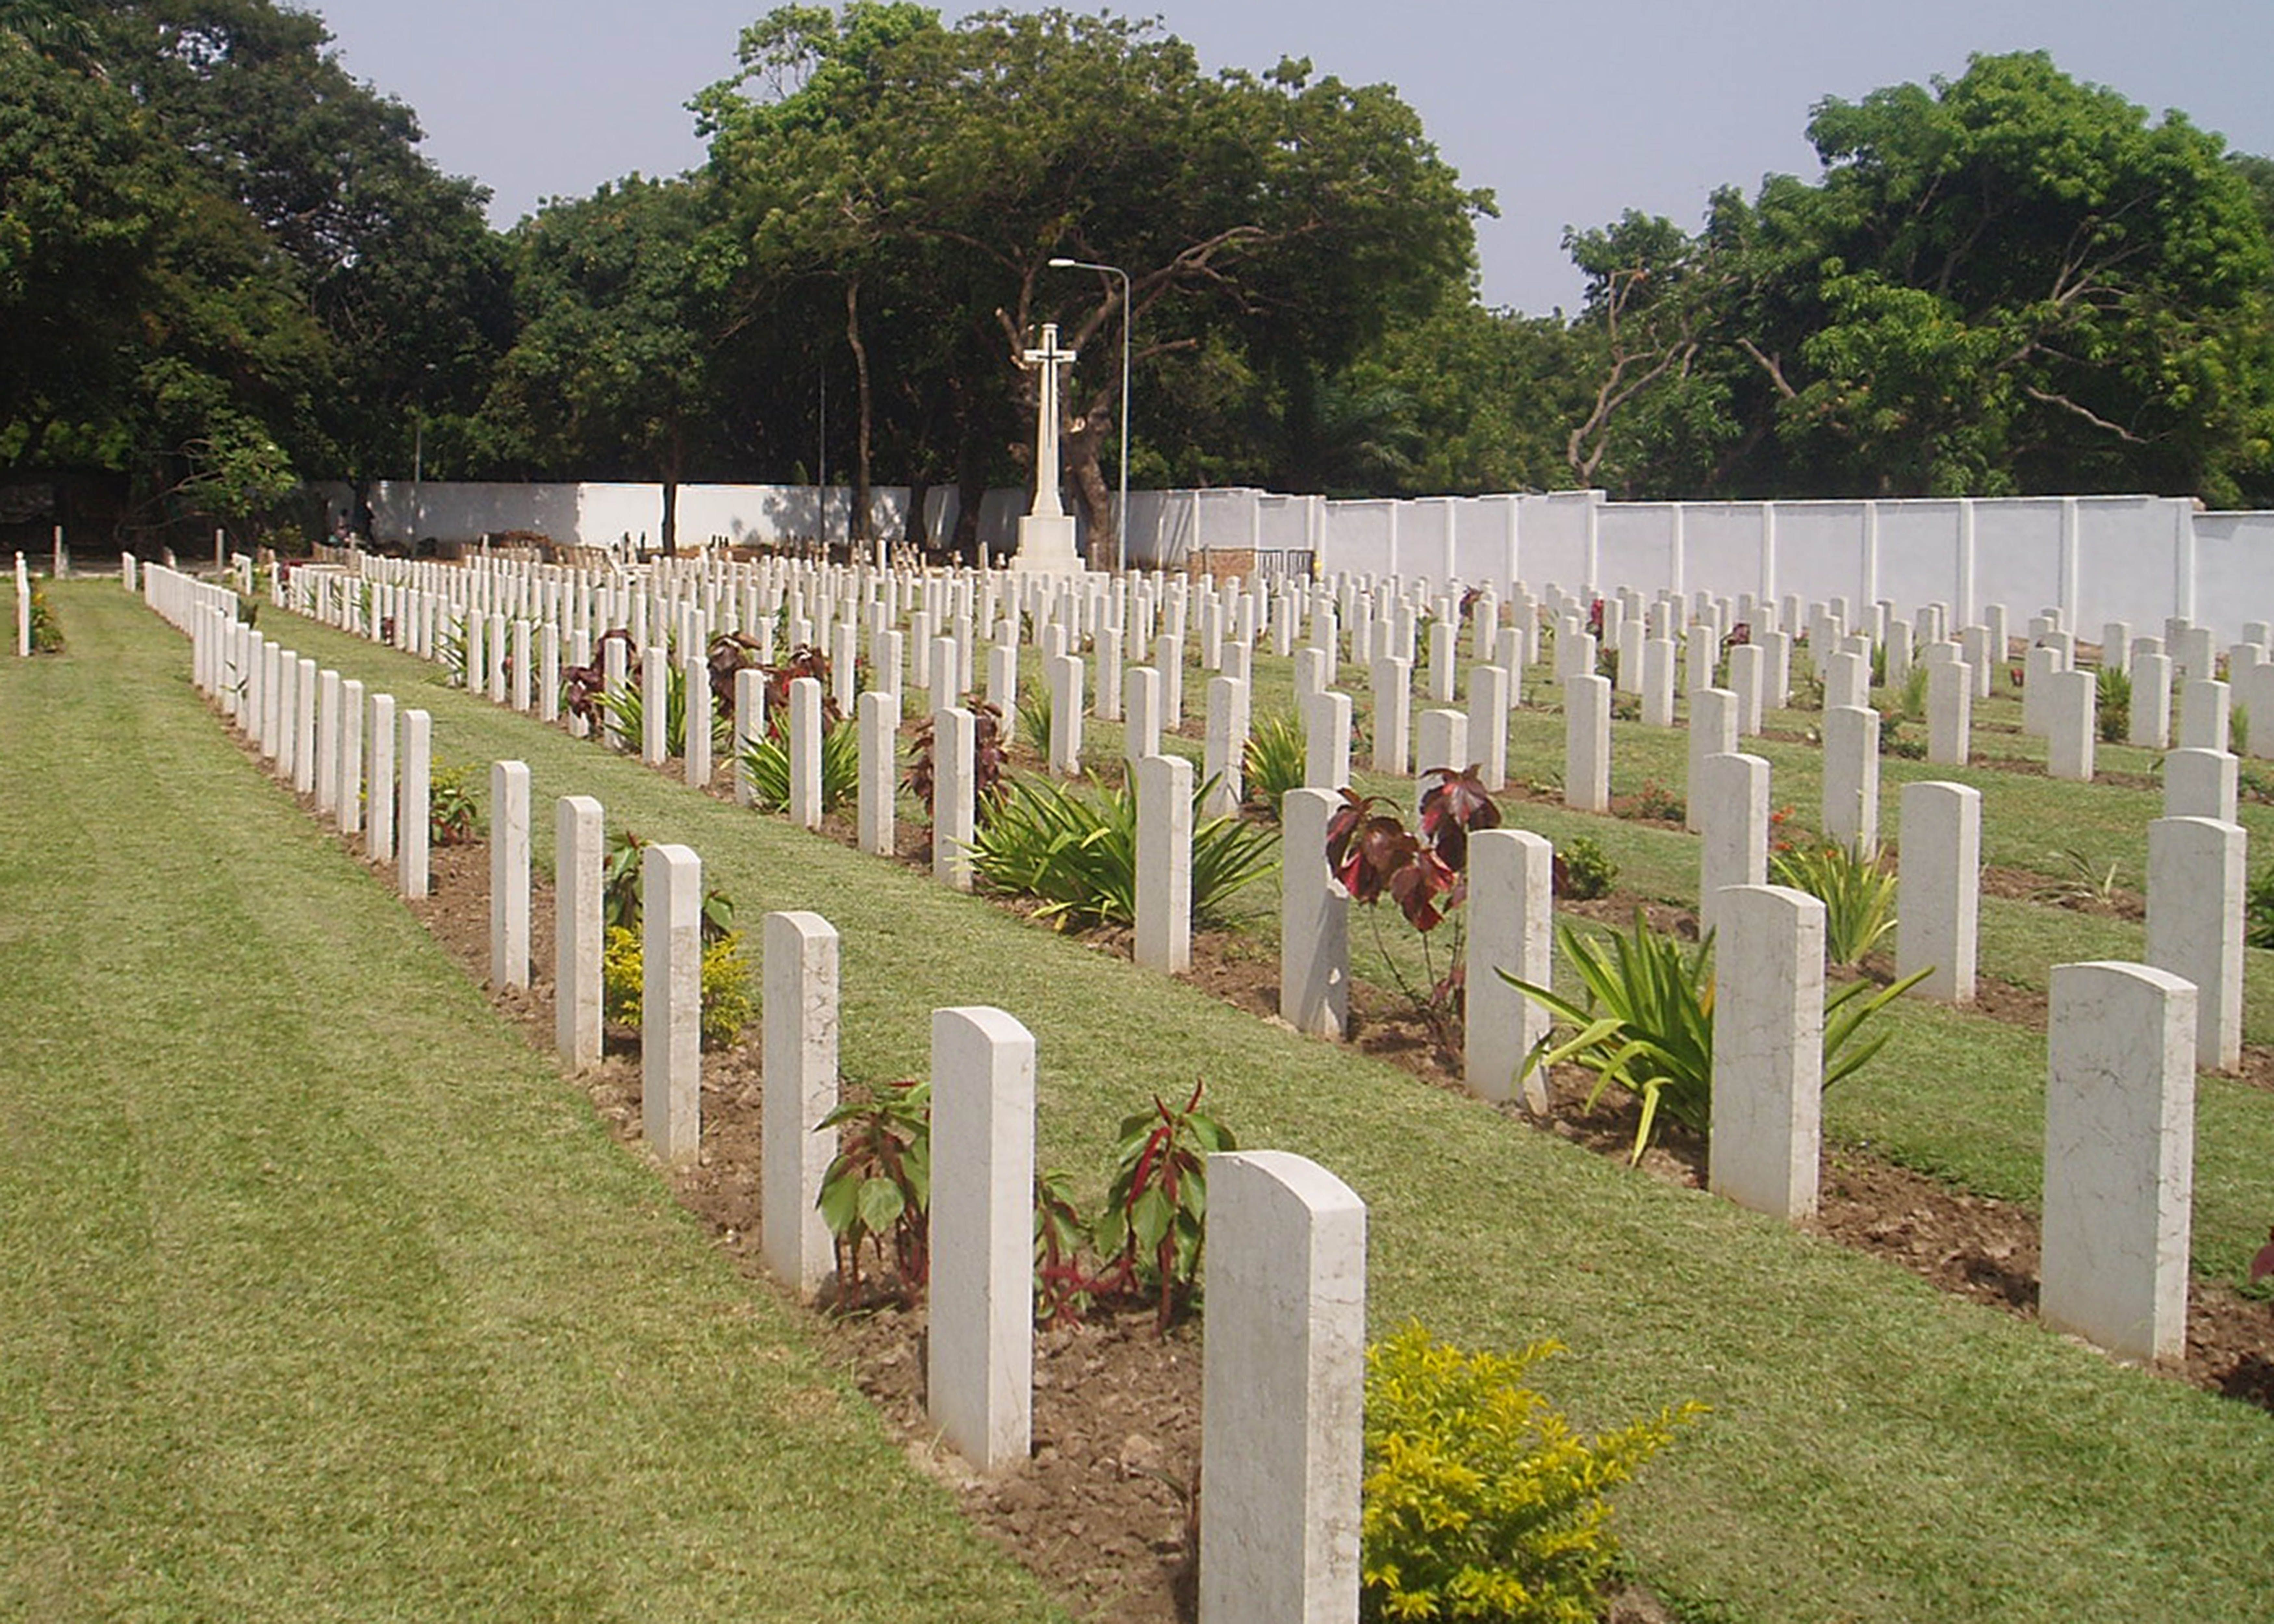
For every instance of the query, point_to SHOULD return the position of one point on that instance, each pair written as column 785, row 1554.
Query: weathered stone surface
column 1283, row 1393
column 2120, row 1154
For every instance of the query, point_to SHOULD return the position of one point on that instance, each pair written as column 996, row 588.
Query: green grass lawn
column 1876, row 1450
column 323, row 1296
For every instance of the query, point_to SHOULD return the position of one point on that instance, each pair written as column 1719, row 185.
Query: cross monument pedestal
column 1046, row 531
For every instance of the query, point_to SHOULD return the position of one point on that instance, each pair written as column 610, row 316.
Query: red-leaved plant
column 2262, row 1265
column 1424, row 870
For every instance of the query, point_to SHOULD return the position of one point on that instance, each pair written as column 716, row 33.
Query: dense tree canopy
column 2007, row 281
column 226, row 266
column 1270, row 227
column 234, row 265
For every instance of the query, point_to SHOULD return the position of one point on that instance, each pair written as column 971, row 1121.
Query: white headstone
column 1314, row 917
column 509, row 818
column 670, row 1003
column 413, row 833
column 1939, row 888
column 2120, row 1154
column 1488, row 708
column 1393, row 706
column 1734, row 827
column 879, row 744
column 1164, row 863
column 800, row 1090
column 1283, row 1393
column 981, row 1363
column 579, row 850
column 2200, row 784
column 805, row 752
column 1768, row 1050
column 955, row 741
column 1587, row 744
column 1327, row 740
column 2195, row 881
column 1851, row 776
column 1511, row 927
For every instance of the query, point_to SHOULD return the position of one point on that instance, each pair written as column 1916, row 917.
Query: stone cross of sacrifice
column 1049, row 358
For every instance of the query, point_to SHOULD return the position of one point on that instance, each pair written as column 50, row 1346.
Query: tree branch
column 2047, row 397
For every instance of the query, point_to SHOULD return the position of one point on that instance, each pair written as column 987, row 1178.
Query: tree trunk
column 671, row 494
column 859, row 531
column 1077, row 457
column 915, row 535
column 970, row 493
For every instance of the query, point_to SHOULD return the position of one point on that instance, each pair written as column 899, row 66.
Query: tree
column 392, row 260
column 934, row 172
column 2007, row 281
column 611, row 374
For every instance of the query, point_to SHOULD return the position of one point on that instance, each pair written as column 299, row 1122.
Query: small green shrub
column 766, row 760
column 624, row 887
column 2112, row 697
column 728, row 1005
column 627, row 708
column 1856, row 888
column 450, row 651
column 454, row 815
column 878, row 1188
column 2258, row 910
column 1155, row 1217
column 1584, row 869
column 1646, row 1022
column 1911, row 705
column 1652, row 802
column 1034, row 719
column 1482, row 1502
column 2238, row 729
column 1275, row 759
column 1077, row 853
column 2078, row 881
column 47, row 631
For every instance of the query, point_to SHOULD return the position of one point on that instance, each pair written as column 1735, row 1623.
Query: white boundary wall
column 2139, row 559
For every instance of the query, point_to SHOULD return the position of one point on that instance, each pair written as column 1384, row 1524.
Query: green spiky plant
column 1646, row 1022
column 1856, row 887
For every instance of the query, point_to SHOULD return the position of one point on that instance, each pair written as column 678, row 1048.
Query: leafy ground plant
column 1856, row 887
column 454, row 815
column 1482, row 1502
column 1274, row 761
column 624, row 887
column 47, row 631
column 987, row 763
column 1155, row 1214
column 766, row 760
column 1076, row 853
column 2077, row 882
column 1424, row 870
column 1646, row 1022
column 2258, row 910
column 878, row 1190
column 1584, row 869
column 2112, row 700
column 728, row 1007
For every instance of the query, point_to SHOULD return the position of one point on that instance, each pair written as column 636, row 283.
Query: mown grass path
column 321, row 1295
column 1877, row 1451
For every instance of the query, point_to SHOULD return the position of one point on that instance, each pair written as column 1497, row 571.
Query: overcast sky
column 1569, row 113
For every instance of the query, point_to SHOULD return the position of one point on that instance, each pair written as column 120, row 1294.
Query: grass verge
column 325, row 1296
column 1877, row 1451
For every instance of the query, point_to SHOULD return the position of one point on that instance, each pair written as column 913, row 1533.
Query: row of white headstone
column 1283, row 1393
column 1728, row 803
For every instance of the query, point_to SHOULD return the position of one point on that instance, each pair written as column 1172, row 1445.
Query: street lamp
column 1128, row 314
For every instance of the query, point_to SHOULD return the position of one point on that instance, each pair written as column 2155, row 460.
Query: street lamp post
column 1128, row 314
